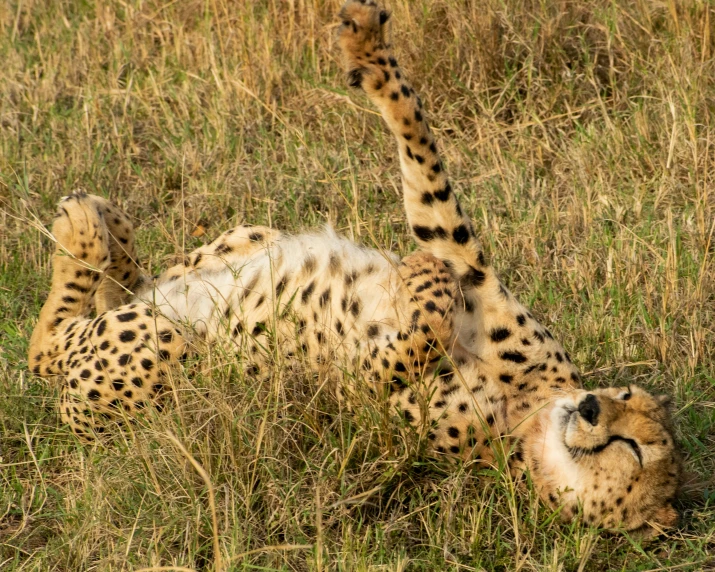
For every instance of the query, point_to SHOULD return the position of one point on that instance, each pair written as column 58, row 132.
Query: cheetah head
column 610, row 453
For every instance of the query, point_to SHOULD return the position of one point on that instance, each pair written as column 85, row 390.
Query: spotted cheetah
column 435, row 334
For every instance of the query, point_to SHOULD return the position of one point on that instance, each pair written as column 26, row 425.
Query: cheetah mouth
column 570, row 414
column 580, row 452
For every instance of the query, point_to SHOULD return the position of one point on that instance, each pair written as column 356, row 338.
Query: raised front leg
column 492, row 325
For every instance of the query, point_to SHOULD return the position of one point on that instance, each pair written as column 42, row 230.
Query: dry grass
column 582, row 138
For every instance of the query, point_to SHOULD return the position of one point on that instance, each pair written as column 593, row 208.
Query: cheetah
column 435, row 334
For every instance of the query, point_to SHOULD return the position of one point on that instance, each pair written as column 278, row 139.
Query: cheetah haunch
column 608, row 454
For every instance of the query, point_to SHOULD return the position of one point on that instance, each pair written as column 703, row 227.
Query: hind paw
column 80, row 231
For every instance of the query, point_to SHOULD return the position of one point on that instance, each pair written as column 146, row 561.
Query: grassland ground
column 581, row 137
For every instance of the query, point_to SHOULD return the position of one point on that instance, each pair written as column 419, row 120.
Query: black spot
column 474, row 277
column 393, row 62
column 93, row 395
column 255, row 237
column 405, row 91
column 506, row 378
column 258, row 328
column 324, row 298
column 147, row 364
column 373, row 330
column 425, row 233
column 381, row 61
column 223, row 249
column 437, row 167
column 355, row 78
column 101, row 327
column 499, row 334
column 394, row 96
column 124, row 359
column 85, row 373
column 137, row 382
column 418, row 115
column 460, row 234
column 104, row 345
column 427, row 198
column 443, row 195
column 463, row 407
column 117, row 384
column 521, row 319
column 307, row 292
column 127, row 336
column 420, row 159
column 281, row 286
column 453, row 432
column 76, row 287
column 515, row 356
column 166, row 336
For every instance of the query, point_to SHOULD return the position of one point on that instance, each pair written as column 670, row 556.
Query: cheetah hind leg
column 80, row 259
column 109, row 366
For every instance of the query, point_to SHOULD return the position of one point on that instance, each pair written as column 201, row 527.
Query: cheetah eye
column 626, row 395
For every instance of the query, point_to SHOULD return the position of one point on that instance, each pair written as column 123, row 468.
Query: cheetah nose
column 589, row 409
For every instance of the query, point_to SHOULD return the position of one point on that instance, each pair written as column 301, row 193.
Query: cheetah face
column 611, row 452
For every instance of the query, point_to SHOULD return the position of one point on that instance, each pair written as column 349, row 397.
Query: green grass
column 582, row 139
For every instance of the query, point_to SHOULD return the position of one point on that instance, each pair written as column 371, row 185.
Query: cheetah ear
column 667, row 516
column 666, row 401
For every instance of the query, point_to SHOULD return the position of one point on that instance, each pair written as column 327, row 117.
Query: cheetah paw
column 361, row 34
